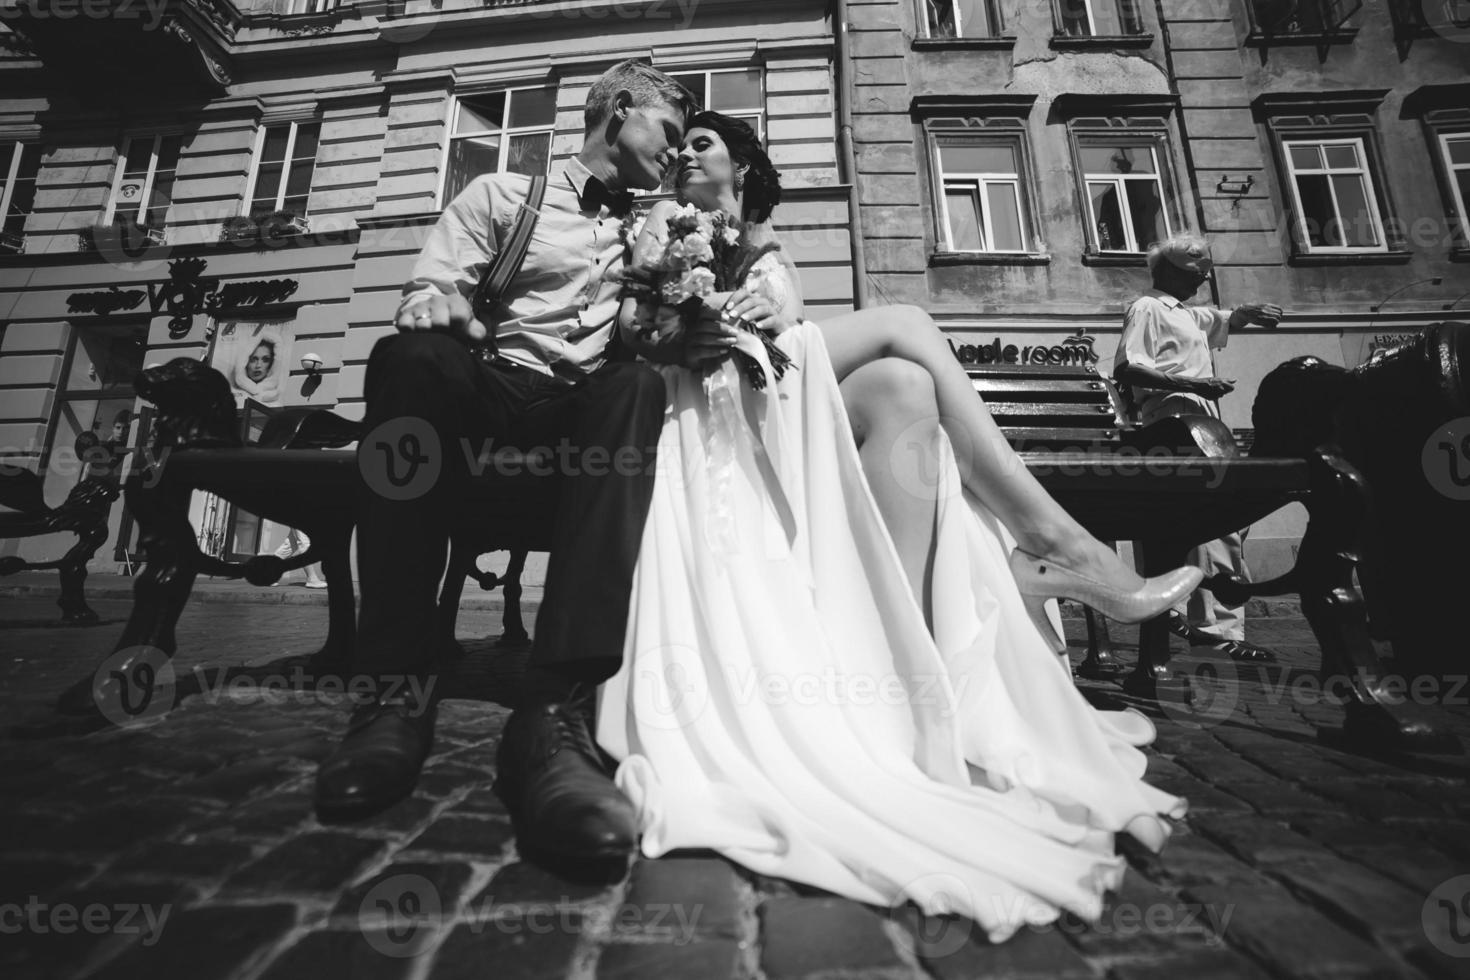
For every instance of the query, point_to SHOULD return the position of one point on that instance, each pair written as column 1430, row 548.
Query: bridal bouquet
column 708, row 252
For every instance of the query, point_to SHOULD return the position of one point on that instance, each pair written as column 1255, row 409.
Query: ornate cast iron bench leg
column 514, row 630
column 1151, row 673
column 1100, row 662
column 83, row 513
column 159, row 594
column 1376, row 720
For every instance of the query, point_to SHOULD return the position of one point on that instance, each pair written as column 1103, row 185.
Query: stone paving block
column 373, row 955
column 953, row 948
column 700, row 895
column 272, row 817
column 88, row 925
column 24, row 878
column 1220, row 965
column 482, row 802
column 1203, row 797
column 409, row 814
column 243, row 780
column 438, row 782
column 536, row 948
column 1277, row 797
column 314, row 862
column 124, row 824
column 1141, row 919
column 1377, row 905
column 1257, row 840
column 1226, row 767
column 1372, row 799
column 806, row 936
column 1296, row 941
column 406, row 888
column 212, row 943
column 711, row 959
column 455, row 834
column 522, row 884
column 1414, row 864
column 205, row 858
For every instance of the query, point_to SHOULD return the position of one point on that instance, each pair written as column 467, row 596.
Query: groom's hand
column 451, row 314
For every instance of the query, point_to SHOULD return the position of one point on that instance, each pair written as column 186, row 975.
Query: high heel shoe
column 1040, row 579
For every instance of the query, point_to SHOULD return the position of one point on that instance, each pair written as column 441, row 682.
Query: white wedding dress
column 782, row 702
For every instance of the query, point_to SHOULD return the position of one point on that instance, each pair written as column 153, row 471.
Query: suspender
column 510, row 258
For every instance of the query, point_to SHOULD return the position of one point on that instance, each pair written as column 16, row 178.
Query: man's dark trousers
column 429, row 397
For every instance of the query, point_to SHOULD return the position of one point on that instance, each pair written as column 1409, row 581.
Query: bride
column 848, row 678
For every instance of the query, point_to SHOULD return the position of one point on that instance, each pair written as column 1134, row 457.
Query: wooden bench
column 1172, row 486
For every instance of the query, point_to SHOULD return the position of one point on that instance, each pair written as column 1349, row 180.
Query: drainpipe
column 1184, row 145
column 843, row 79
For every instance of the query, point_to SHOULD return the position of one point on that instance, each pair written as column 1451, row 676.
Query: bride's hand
column 709, row 339
column 756, row 309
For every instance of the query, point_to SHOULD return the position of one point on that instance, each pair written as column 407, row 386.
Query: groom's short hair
column 645, row 83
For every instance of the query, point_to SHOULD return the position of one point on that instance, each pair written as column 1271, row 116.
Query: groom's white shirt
column 559, row 315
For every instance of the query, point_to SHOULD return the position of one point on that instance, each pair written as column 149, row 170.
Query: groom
column 549, row 382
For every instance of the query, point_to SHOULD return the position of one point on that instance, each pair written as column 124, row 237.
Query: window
column 961, row 18
column 1305, row 17
column 143, row 187
column 307, row 6
column 1333, row 196
column 983, row 204
column 497, row 133
column 1097, row 18
column 19, row 164
column 1124, row 192
column 736, row 92
column 1455, row 155
column 285, row 156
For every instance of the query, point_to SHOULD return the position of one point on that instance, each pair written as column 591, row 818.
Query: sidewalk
column 186, row 847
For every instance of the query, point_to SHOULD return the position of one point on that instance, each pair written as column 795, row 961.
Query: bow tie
column 595, row 194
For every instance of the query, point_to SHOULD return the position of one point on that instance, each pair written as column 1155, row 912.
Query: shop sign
column 185, row 293
column 1075, row 350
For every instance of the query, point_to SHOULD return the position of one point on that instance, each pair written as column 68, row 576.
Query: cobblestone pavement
column 186, row 847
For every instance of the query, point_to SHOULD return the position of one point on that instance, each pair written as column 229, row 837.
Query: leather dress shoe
column 565, row 809
column 378, row 761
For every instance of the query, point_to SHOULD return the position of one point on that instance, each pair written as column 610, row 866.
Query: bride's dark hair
column 762, row 181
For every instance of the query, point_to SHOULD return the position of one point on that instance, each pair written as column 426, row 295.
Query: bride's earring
column 739, row 180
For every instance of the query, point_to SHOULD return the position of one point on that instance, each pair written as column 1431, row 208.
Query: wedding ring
column 423, row 318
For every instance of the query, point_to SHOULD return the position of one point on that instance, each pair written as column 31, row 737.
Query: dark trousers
column 428, row 398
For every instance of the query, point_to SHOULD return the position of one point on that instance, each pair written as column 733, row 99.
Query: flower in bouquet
column 708, row 252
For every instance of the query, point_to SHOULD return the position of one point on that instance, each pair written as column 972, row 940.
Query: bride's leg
column 990, row 469
column 890, row 403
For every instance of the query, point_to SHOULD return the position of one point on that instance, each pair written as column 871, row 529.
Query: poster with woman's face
column 255, row 357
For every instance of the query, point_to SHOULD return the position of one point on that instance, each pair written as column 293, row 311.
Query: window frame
column 1445, row 170
column 992, row 10
column 1261, row 34
column 12, row 174
column 505, row 131
column 1157, row 140
column 978, row 182
column 256, row 161
column 1365, row 170
column 1141, row 36
column 120, row 167
column 762, row 113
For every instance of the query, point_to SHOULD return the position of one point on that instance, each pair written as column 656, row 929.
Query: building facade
column 1013, row 161
column 248, row 182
